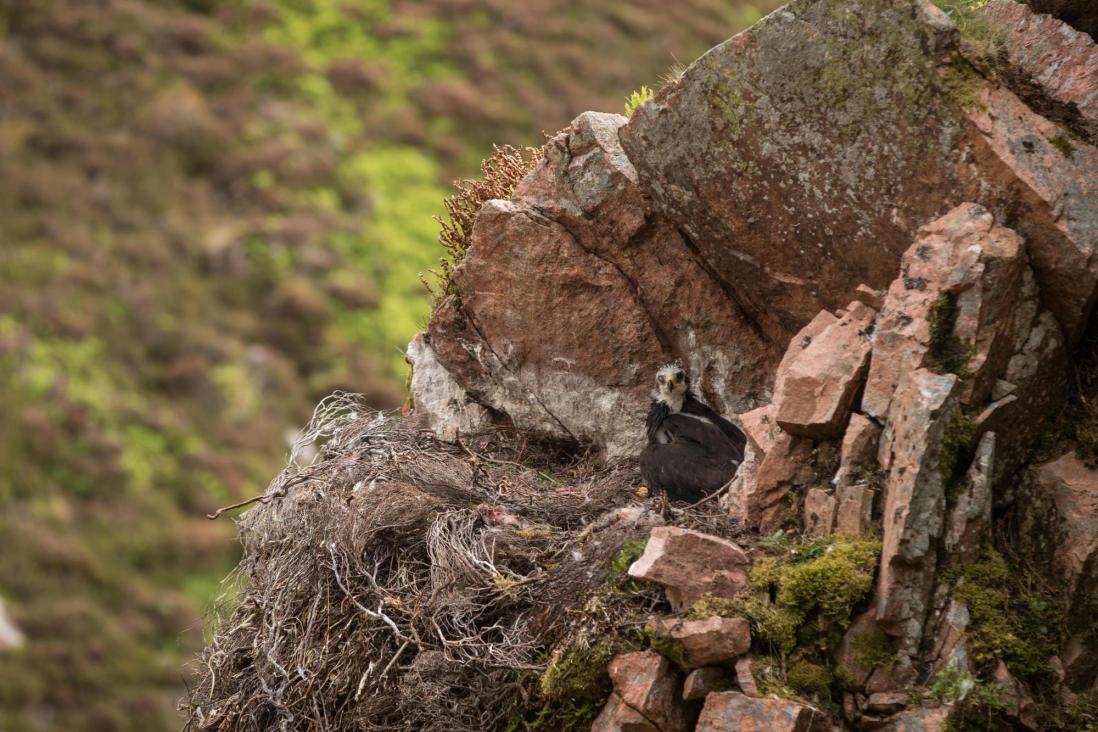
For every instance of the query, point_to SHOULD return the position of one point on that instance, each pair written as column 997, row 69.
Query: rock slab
column 690, row 564
column 732, row 711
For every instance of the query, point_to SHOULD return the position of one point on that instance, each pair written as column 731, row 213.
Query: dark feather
column 697, row 461
column 692, row 405
column 657, row 412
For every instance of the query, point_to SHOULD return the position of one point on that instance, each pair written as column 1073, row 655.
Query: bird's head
column 671, row 385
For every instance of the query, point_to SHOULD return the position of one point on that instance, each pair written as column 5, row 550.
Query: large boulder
column 784, row 169
column 574, row 292
column 843, row 127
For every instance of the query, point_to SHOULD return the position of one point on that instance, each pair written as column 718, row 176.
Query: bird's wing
column 701, row 432
column 693, row 405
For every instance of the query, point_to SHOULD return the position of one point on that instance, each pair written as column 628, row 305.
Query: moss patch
column 958, row 442
column 833, row 582
column 1062, row 142
column 1010, row 621
column 670, row 648
column 872, row 650
column 811, row 680
column 773, row 628
column 579, row 671
column 630, row 552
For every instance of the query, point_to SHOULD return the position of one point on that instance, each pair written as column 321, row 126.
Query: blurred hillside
column 211, row 214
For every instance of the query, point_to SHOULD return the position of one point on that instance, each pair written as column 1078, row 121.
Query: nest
column 400, row 583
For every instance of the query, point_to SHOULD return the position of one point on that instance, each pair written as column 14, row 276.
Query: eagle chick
column 692, row 451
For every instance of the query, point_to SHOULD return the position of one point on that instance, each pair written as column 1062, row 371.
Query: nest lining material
column 401, row 583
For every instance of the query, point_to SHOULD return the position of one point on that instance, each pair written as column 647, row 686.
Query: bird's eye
column 680, row 375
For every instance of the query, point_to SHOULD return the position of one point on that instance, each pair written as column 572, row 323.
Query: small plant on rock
column 637, row 98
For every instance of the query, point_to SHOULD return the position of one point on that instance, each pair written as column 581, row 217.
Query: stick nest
column 397, row 582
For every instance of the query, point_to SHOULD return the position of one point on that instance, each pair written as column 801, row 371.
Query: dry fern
column 500, row 174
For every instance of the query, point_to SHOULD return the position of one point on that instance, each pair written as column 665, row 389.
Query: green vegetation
column 810, row 680
column 579, row 670
column 630, row 552
column 833, row 581
column 972, row 25
column 872, row 650
column 802, row 598
column 1011, row 621
column 637, row 98
column 958, row 443
column 1063, row 143
column 212, row 213
column 977, row 706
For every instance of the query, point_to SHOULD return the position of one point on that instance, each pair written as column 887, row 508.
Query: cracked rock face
column 785, row 173
column 575, row 292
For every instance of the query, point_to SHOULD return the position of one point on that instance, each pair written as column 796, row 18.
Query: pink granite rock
column 645, row 697
column 1059, row 63
column 819, row 513
column 915, row 501
column 859, row 450
column 690, row 564
column 731, row 711
column 814, row 389
column 704, row 642
column 951, row 309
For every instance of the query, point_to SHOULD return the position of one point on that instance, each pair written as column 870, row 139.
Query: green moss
column 961, row 85
column 833, row 582
column 958, row 440
column 630, row 552
column 985, row 41
column 872, row 650
column 670, row 648
column 579, row 671
column 765, row 574
column 947, row 353
column 710, row 606
column 1062, row 142
column 811, row 680
column 1010, row 621
column 637, row 98
column 773, row 628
